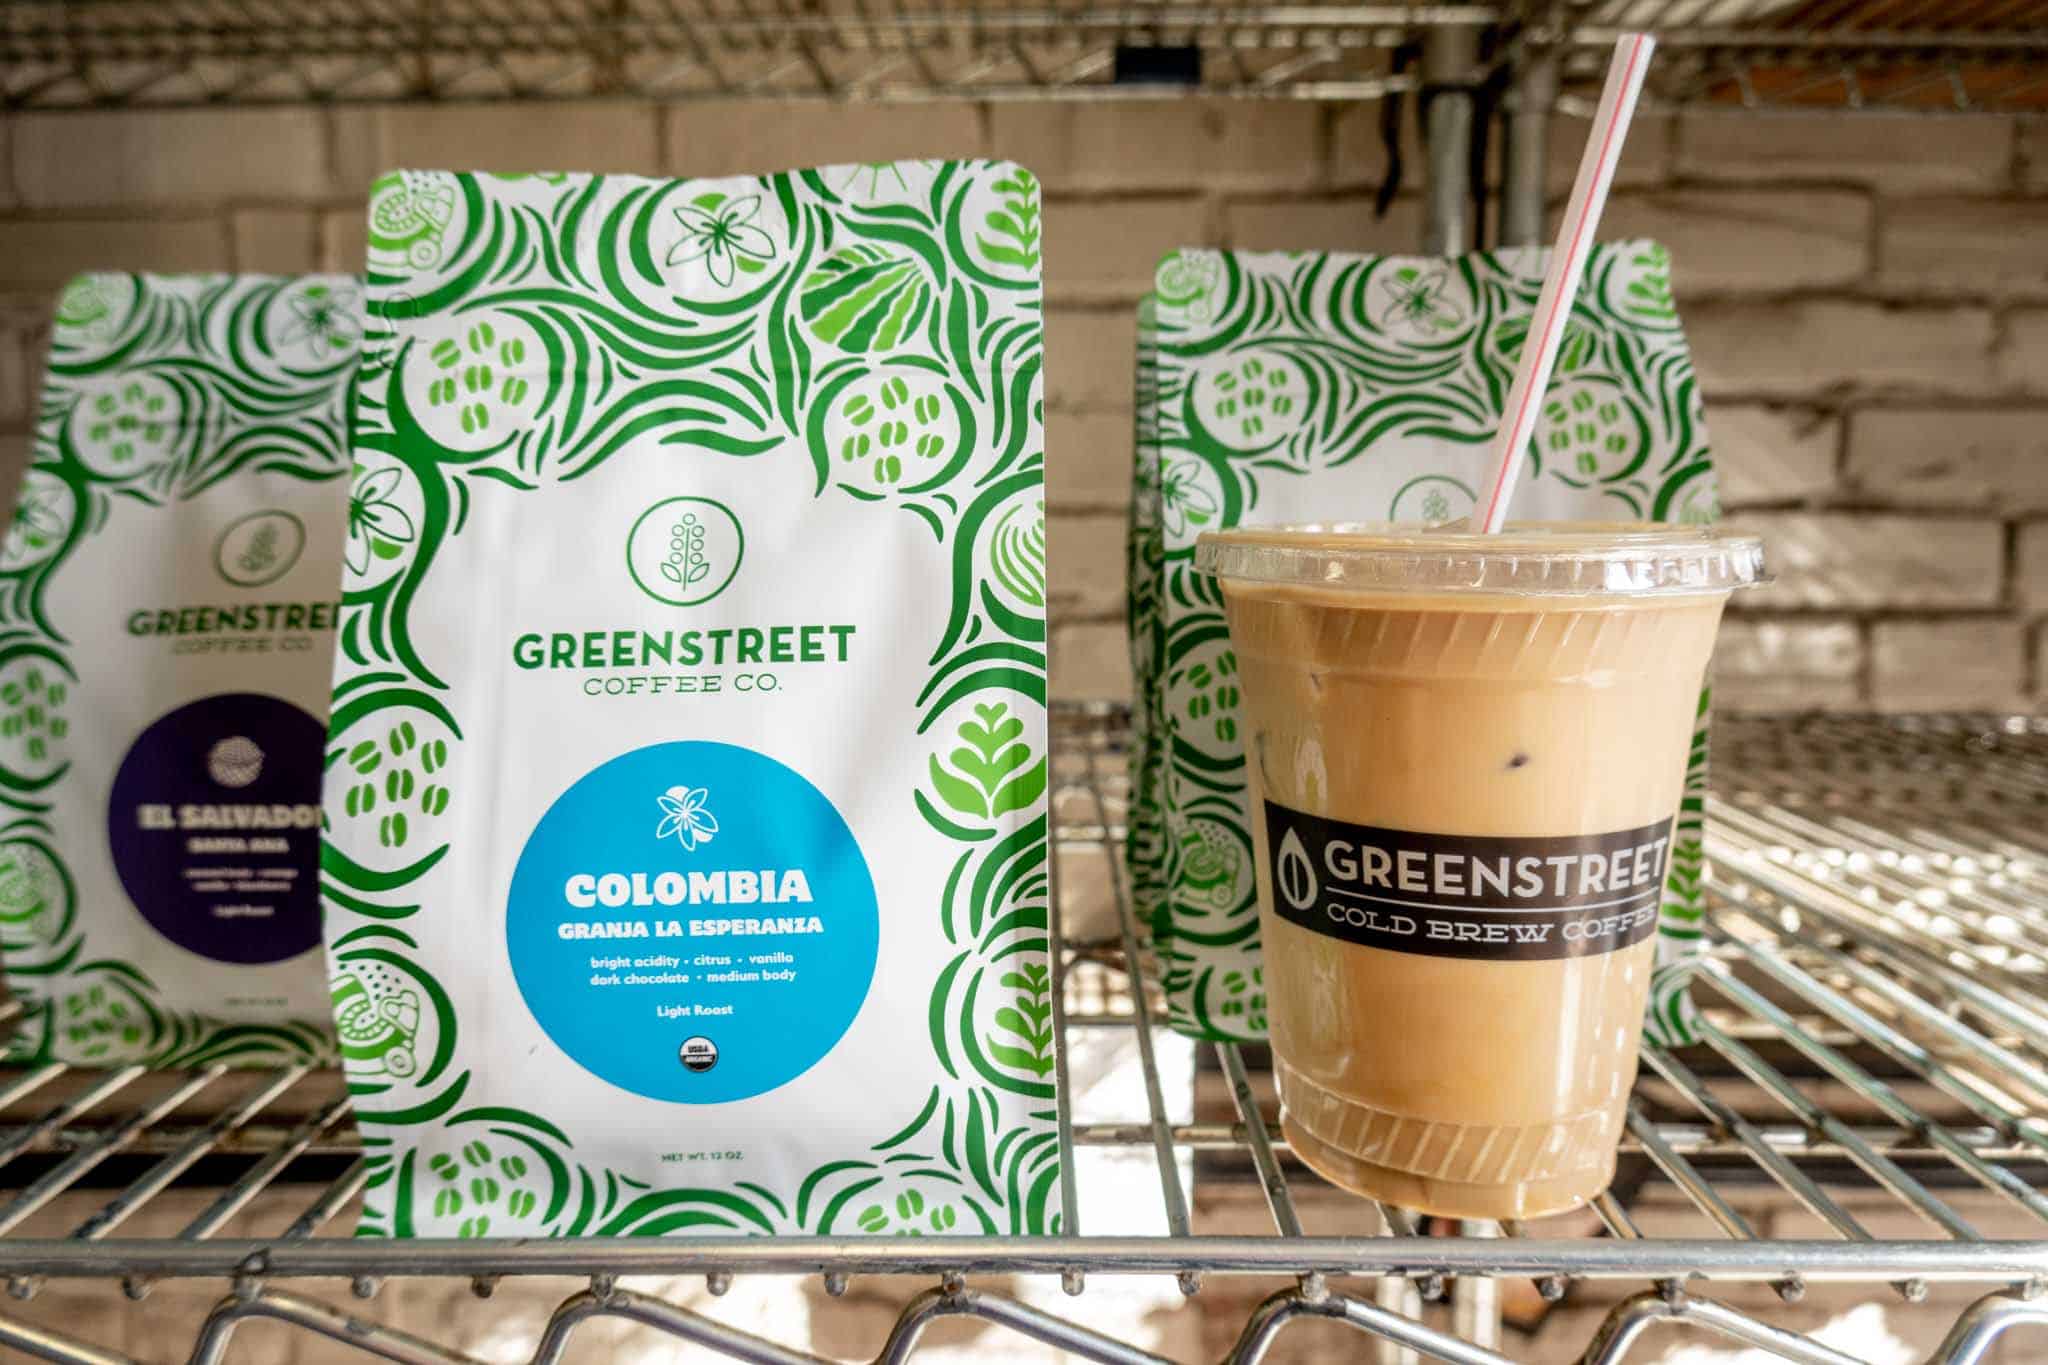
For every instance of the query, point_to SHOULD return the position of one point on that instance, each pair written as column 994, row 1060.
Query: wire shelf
column 1925, row 55
column 1873, row 1059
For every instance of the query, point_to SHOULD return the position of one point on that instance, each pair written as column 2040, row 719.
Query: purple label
column 214, row 822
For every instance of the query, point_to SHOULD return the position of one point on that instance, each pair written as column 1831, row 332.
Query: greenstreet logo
column 260, row 548
column 684, row 551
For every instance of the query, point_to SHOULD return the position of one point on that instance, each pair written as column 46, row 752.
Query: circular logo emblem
column 235, row 762
column 260, row 548
column 690, row 886
column 684, row 551
column 214, row 823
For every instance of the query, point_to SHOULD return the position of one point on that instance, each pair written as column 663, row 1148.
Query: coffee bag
column 1310, row 387
column 171, row 584
column 688, row 856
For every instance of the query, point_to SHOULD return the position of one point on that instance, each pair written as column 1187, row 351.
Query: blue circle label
column 693, row 922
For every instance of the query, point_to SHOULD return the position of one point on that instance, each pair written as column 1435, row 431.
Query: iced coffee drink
column 1466, row 753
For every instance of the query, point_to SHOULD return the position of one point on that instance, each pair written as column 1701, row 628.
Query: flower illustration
column 1183, row 500
column 683, row 815
column 1415, row 302
column 721, row 233
column 324, row 320
column 377, row 526
column 39, row 522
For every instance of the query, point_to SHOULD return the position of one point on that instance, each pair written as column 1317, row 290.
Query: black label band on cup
column 1469, row 896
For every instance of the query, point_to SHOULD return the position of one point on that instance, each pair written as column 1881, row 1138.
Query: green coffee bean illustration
column 30, row 707
column 1256, row 390
column 1595, row 435
column 908, row 1208
column 405, row 762
column 1244, row 996
column 891, row 425
column 481, row 1182
column 1216, row 694
column 478, row 381
column 96, row 1019
column 139, row 415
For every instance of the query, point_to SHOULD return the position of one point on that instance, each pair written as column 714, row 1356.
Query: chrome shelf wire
column 1867, row 1104
column 1917, row 55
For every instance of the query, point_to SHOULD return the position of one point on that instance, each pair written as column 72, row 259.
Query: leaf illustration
column 1019, row 1058
column 961, row 795
column 1022, row 791
column 1029, row 1020
column 698, row 569
column 671, row 572
column 1016, row 220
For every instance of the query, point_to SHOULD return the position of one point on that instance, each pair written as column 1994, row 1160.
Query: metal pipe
column 314, row 1316
column 46, row 1343
column 1983, row 1323
column 1449, row 57
column 257, row 1177
column 1987, row 1262
column 1525, row 151
column 1273, row 1316
column 1162, row 1140
column 1632, row 1318
column 74, row 1168
column 159, row 1177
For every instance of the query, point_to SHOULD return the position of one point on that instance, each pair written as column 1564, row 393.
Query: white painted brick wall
column 1942, row 246
column 1807, row 347
column 746, row 137
column 1867, row 299
column 508, row 138
column 1839, row 560
column 1750, row 241
column 1774, row 455
column 1995, row 458
column 148, row 160
column 1105, row 250
column 1893, row 154
column 1947, row 665
column 1770, row 664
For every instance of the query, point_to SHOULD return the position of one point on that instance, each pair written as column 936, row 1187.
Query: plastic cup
column 1466, row 754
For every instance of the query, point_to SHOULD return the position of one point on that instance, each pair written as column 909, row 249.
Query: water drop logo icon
column 1294, row 876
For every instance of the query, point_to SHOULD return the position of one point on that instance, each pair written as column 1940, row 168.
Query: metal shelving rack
column 1875, row 989
column 1907, row 54
column 1874, row 1039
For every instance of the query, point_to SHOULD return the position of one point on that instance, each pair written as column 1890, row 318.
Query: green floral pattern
column 874, row 332
column 1275, row 387
column 158, row 389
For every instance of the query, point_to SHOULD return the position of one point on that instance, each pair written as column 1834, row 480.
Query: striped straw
column 1567, row 264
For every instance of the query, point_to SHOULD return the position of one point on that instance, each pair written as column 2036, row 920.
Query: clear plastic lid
column 1530, row 558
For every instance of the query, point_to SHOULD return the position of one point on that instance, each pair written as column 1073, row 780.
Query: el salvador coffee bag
column 169, row 593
